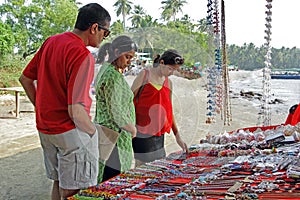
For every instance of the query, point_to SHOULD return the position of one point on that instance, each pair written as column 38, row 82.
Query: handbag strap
column 145, row 80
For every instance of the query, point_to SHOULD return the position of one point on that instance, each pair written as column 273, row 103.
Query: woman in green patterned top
column 114, row 104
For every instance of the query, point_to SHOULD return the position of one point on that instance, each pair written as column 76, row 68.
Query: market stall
column 263, row 164
column 248, row 163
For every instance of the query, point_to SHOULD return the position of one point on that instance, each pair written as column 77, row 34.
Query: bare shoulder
column 138, row 81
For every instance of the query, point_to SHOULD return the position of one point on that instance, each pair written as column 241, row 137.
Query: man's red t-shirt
column 64, row 70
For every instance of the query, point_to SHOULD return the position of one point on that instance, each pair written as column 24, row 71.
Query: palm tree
column 148, row 21
column 202, row 25
column 137, row 16
column 145, row 37
column 171, row 8
column 123, row 7
column 117, row 28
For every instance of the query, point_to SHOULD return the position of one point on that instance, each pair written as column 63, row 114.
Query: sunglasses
column 106, row 31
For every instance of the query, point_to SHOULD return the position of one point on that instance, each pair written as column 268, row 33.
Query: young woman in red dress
column 153, row 106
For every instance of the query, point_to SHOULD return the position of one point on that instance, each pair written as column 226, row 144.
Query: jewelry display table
column 244, row 169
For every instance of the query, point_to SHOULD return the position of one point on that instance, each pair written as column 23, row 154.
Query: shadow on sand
column 23, row 176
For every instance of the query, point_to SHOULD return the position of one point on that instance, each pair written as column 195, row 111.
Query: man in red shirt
column 294, row 115
column 57, row 81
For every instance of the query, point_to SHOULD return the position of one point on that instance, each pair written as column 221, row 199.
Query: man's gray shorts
column 71, row 158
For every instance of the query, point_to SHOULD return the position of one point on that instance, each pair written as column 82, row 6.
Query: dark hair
column 156, row 60
column 90, row 14
column 170, row 57
column 293, row 109
column 122, row 43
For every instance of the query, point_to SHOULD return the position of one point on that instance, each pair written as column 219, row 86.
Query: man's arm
column 81, row 119
column 29, row 87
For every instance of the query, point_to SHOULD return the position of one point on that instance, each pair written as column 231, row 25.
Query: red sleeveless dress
column 154, row 110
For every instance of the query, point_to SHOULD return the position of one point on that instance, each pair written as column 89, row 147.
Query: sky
column 245, row 19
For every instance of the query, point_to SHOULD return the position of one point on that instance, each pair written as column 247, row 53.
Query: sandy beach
column 22, row 171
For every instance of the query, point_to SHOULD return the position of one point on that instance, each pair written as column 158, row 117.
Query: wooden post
column 17, row 103
column 17, row 91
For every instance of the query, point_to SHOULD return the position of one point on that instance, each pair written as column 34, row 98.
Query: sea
column 287, row 91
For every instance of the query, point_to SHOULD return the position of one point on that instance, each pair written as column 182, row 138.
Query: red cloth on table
column 254, row 128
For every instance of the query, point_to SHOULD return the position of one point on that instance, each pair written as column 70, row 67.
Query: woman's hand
column 181, row 143
column 131, row 129
column 134, row 133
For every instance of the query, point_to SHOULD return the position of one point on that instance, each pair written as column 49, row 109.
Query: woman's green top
column 114, row 109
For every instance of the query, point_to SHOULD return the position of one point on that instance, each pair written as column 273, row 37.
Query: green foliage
column 158, row 39
column 117, row 28
column 123, row 7
column 137, row 16
column 286, row 58
column 250, row 57
column 10, row 70
column 24, row 25
column 32, row 22
column 55, row 20
column 7, row 40
column 171, row 8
